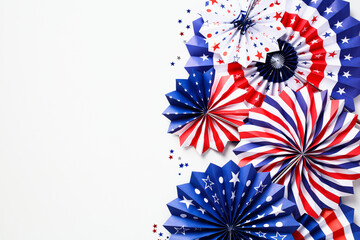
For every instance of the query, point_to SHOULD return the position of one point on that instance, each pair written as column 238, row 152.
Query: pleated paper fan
column 332, row 224
column 308, row 143
column 321, row 47
column 231, row 203
column 206, row 113
column 243, row 31
column 201, row 59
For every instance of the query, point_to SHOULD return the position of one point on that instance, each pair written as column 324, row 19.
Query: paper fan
column 231, row 203
column 320, row 47
column 206, row 113
column 308, row 143
column 201, row 59
column 332, row 224
column 241, row 30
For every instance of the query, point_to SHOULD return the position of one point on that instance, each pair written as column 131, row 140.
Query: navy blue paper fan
column 231, row 203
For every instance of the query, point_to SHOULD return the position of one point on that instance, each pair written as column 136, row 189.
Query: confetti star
column 277, row 210
column 260, row 188
column 187, row 202
column 208, row 183
column 332, row 54
column 155, row 226
column 348, row 57
column 170, row 157
column 347, row 74
column 235, row 178
column 172, row 64
column 338, row 24
column 181, row 165
column 298, row 7
column 154, row 230
column 181, row 34
column 171, row 151
column 345, row 40
column 187, row 26
column 259, row 55
column 204, row 57
column 326, row 35
column 160, row 234
column 277, row 16
column 328, row 10
column 188, row 11
column 181, row 230
column 341, row 91
column 278, row 236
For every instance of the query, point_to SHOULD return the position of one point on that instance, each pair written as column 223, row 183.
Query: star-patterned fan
column 308, row 143
column 231, row 203
column 206, row 113
column 332, row 224
column 201, row 59
column 241, row 30
column 320, row 48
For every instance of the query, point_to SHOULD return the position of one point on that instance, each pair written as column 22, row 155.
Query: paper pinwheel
column 332, row 224
column 231, row 203
column 241, row 30
column 321, row 47
column 308, row 143
column 206, row 113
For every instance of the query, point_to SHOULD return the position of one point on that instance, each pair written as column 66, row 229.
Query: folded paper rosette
column 332, row 224
column 231, row 203
column 242, row 31
column 206, row 113
column 308, row 143
column 321, row 47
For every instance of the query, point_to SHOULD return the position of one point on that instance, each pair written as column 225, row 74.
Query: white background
column 83, row 145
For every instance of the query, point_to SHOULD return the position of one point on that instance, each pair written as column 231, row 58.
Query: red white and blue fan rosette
column 332, row 224
column 206, row 113
column 320, row 48
column 308, row 143
column 231, row 203
column 242, row 31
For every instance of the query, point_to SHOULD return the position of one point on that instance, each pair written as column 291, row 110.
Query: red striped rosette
column 332, row 224
column 206, row 113
column 320, row 48
column 308, row 143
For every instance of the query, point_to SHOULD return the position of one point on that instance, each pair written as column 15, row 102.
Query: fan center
column 277, row 60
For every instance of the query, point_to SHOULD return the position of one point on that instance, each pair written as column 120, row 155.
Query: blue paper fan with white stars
column 231, row 203
column 201, row 59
